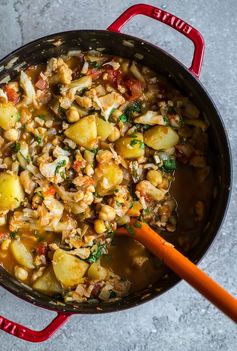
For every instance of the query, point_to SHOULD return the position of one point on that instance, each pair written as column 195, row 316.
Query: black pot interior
column 126, row 46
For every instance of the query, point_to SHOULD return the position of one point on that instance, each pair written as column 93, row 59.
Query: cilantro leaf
column 60, row 164
column 96, row 254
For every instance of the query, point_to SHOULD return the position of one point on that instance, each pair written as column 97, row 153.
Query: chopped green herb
column 41, row 117
column 38, row 139
column 123, row 118
column 137, row 225
column 63, row 175
column 16, row 147
column 169, row 165
column 112, row 294
column 18, row 117
column 146, row 126
column 96, row 254
column 13, row 235
column 130, row 229
column 166, row 120
column 118, row 203
column 94, row 151
column 95, row 64
column 60, row 164
column 26, row 158
column 82, row 91
column 40, row 194
column 139, row 142
column 133, row 135
column 146, row 211
column 133, row 109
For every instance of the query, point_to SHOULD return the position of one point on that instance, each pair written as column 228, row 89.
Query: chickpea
column 107, row 213
column 155, row 177
column 99, row 226
column 20, row 273
column 72, row 115
column 114, row 135
column 11, row 134
column 104, row 156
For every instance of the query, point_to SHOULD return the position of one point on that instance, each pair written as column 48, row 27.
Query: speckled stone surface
column 179, row 320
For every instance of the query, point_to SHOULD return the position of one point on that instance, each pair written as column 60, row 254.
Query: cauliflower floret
column 27, row 182
column 146, row 189
column 114, row 64
column 109, row 102
column 27, row 86
column 55, row 170
column 151, row 118
column 59, row 71
column 80, row 84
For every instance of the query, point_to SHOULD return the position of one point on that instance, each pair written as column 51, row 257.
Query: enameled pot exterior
column 186, row 79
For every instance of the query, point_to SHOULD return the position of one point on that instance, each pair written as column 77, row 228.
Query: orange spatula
column 182, row 267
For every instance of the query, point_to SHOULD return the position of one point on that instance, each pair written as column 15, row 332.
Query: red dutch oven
column 157, row 59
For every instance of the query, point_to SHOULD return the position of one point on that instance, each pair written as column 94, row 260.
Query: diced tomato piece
column 96, row 289
column 42, row 84
column 114, row 76
column 12, row 94
column 94, row 73
column 50, row 191
column 77, row 165
column 42, row 249
column 134, row 87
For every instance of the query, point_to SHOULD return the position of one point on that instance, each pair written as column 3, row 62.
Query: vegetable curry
column 88, row 142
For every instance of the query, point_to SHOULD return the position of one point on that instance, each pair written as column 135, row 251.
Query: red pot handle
column 27, row 334
column 175, row 22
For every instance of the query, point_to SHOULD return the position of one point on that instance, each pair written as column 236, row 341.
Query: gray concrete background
column 180, row 320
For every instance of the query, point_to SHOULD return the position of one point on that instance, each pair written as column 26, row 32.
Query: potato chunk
column 130, row 147
column 96, row 272
column 68, row 269
column 161, row 137
column 47, row 283
column 83, row 132
column 11, row 192
column 21, row 254
column 104, row 129
column 8, row 115
column 109, row 176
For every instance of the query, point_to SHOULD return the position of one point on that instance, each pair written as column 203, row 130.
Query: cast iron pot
column 152, row 56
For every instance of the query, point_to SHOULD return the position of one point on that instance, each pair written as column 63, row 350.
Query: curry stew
column 87, row 142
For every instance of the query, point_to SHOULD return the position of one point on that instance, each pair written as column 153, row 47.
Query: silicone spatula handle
column 183, row 267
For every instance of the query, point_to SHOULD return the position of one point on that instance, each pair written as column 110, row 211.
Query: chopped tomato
column 114, row 76
column 89, row 181
column 42, row 84
column 134, row 87
column 50, row 191
column 12, row 94
column 94, row 73
column 77, row 165
column 42, row 249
